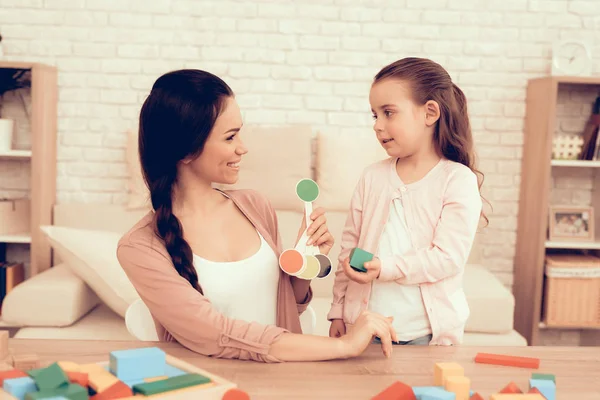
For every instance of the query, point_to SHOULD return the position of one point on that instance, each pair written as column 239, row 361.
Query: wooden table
column 577, row 369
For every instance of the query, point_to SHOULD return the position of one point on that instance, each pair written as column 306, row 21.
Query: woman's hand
column 318, row 231
column 367, row 326
column 373, row 270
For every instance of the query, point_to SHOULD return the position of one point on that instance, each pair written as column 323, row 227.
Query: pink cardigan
column 442, row 214
column 182, row 314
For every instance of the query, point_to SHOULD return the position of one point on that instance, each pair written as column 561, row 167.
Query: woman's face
column 220, row 159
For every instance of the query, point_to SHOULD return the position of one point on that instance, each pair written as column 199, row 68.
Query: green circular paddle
column 307, row 190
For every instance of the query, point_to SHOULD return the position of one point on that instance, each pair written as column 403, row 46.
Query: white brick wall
column 307, row 61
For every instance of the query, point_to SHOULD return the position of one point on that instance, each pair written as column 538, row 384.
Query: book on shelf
column 11, row 274
column 591, row 136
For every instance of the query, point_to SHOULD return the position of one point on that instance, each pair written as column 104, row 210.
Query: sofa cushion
column 277, row 158
column 55, row 297
column 92, row 256
column 100, row 324
column 340, row 161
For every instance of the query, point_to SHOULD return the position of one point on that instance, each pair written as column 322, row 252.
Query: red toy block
column 10, row 374
column 396, row 391
column 117, row 391
column 511, row 388
column 236, row 394
column 508, row 361
column 476, row 396
column 535, row 390
column 78, row 377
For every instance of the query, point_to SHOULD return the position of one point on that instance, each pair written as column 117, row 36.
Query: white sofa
column 84, row 296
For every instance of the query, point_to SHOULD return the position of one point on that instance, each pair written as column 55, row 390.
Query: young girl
column 205, row 261
column 417, row 211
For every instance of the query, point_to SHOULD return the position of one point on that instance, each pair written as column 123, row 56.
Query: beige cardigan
column 182, row 314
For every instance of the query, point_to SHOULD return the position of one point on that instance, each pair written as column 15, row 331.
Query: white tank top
column 245, row 289
column 403, row 302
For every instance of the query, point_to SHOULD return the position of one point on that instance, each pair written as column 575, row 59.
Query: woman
column 205, row 261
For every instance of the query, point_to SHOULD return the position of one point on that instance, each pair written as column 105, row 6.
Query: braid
column 169, row 229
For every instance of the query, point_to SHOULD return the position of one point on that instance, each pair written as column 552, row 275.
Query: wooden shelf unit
column 42, row 158
column 536, row 170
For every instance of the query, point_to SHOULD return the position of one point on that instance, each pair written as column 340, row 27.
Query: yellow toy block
column 442, row 371
column 99, row 378
column 459, row 385
column 155, row 378
column 69, row 366
column 517, row 396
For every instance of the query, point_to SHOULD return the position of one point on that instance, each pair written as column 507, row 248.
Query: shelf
column 583, row 245
column 15, row 154
column 16, row 238
column 542, row 325
column 575, row 163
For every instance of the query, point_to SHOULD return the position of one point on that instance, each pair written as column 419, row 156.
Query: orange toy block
column 443, row 370
column 476, row 396
column 236, row 394
column 511, row 388
column 396, row 391
column 517, row 396
column 459, row 385
column 117, row 391
column 10, row 374
column 508, row 361
column 26, row 361
column 78, row 377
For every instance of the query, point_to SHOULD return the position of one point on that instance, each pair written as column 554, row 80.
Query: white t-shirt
column 245, row 289
column 403, row 302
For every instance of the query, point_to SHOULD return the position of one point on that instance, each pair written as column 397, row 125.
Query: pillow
column 341, row 160
column 53, row 298
column 138, row 194
column 92, row 256
column 277, row 158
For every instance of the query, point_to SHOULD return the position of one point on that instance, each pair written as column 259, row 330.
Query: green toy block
column 166, row 385
column 358, row 257
column 548, row 377
column 70, row 391
column 50, row 377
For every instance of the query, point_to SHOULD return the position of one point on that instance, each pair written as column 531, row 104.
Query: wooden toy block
column 50, row 377
column 236, row 394
column 78, row 377
column 155, row 378
column 511, row 388
column 443, row 370
column 476, row 396
column 358, row 257
column 116, row 391
column 3, row 345
column 174, row 383
column 545, row 386
column 68, row 366
column 69, row 391
column 506, row 360
column 18, row 387
column 420, row 390
column 534, row 390
column 459, row 385
column 26, row 361
column 10, row 374
column 517, row 396
column 101, row 380
column 438, row 394
column 396, row 391
column 544, row 376
column 137, row 363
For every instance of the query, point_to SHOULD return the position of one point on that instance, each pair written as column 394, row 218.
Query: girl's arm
column 452, row 241
column 350, row 236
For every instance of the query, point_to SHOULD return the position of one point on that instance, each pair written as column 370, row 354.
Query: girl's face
column 402, row 127
column 223, row 150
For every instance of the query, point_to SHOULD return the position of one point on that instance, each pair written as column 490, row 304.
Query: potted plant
column 10, row 79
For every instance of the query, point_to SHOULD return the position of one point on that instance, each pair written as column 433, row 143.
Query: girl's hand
column 318, row 231
column 337, row 328
column 373, row 270
column 367, row 326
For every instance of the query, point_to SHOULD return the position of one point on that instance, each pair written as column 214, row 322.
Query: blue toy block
column 419, row 391
column 134, row 364
column 545, row 386
column 19, row 387
column 172, row 371
column 437, row 393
